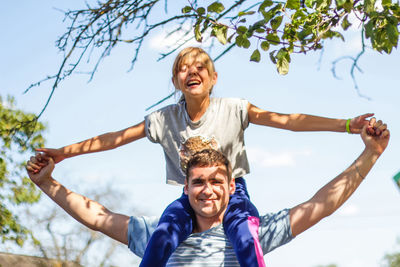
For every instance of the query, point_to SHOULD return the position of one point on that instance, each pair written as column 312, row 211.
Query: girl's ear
column 214, row 78
column 173, row 82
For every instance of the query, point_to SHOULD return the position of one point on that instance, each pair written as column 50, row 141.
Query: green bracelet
column 348, row 126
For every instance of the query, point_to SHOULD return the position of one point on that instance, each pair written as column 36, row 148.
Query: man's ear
column 185, row 188
column 232, row 186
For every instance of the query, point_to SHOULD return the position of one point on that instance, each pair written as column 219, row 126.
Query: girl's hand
column 357, row 123
column 56, row 154
column 39, row 168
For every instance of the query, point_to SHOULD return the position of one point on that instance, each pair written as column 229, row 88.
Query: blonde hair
column 192, row 54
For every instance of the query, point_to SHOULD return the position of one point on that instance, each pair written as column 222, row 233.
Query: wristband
column 348, row 126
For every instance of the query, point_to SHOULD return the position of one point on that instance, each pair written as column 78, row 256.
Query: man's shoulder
column 274, row 230
column 140, row 229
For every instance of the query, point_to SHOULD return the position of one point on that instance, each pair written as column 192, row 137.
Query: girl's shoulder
column 229, row 101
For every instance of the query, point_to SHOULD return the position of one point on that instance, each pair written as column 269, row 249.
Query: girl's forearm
column 105, row 141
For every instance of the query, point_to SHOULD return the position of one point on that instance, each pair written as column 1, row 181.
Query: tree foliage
column 392, row 259
column 275, row 29
column 19, row 134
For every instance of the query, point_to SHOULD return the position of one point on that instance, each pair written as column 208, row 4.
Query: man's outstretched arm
column 330, row 197
column 84, row 210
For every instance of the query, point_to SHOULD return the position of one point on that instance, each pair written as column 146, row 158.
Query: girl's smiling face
column 193, row 73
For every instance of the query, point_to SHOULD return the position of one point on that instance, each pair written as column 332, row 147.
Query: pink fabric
column 254, row 223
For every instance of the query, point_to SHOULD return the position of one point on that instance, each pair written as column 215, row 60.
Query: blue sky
column 287, row 168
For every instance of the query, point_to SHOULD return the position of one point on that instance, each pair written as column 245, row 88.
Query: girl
column 222, row 120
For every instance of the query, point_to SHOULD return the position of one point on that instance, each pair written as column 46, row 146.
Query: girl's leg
column 175, row 225
column 241, row 223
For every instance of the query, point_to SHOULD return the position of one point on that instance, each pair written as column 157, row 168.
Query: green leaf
column 216, row 7
column 276, row 22
column 310, row 3
column 345, row 23
column 293, row 4
column 273, row 38
column 242, row 41
column 266, row 3
column 369, row 6
column 256, row 56
column 272, row 56
column 243, row 13
column 265, row 45
column 340, row 3
column 201, row 11
column 369, row 29
column 197, row 33
column 220, row 32
column 392, row 33
column 348, row 5
column 386, row 3
column 323, row 4
column 241, row 30
column 283, row 59
column 186, row 9
column 304, row 33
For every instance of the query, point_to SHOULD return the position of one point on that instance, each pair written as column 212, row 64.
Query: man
column 208, row 186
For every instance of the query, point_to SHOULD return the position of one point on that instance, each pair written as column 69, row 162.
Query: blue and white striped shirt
column 210, row 248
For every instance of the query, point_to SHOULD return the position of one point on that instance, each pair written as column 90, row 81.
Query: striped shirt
column 210, row 248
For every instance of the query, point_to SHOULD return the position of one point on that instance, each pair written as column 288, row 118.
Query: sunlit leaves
column 297, row 26
column 19, row 133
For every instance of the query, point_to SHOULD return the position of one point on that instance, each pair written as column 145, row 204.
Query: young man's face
column 208, row 190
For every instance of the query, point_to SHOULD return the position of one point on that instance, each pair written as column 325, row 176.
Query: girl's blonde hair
column 192, row 54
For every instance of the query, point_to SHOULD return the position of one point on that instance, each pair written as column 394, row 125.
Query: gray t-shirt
column 224, row 121
column 211, row 248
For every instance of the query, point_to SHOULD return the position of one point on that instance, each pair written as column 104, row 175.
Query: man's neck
column 204, row 224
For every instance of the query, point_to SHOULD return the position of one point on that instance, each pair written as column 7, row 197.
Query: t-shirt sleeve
column 274, row 230
column 140, row 230
column 153, row 126
column 241, row 109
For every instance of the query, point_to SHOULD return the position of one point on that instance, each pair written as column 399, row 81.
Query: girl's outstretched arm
column 304, row 122
column 99, row 143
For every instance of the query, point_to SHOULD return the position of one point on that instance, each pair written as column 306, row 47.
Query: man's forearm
column 330, row 197
column 336, row 192
column 86, row 211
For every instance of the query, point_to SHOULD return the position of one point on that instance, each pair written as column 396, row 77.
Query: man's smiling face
column 208, row 190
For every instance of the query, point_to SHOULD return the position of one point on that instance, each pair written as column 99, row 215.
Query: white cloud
column 161, row 42
column 349, row 210
column 275, row 159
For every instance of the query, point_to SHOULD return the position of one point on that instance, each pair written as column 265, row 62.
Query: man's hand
column 375, row 136
column 357, row 123
column 39, row 168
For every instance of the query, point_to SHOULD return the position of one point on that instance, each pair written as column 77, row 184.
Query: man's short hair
column 208, row 158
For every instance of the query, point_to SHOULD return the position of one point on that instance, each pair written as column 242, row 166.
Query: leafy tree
column 276, row 29
column 20, row 133
column 392, row 259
